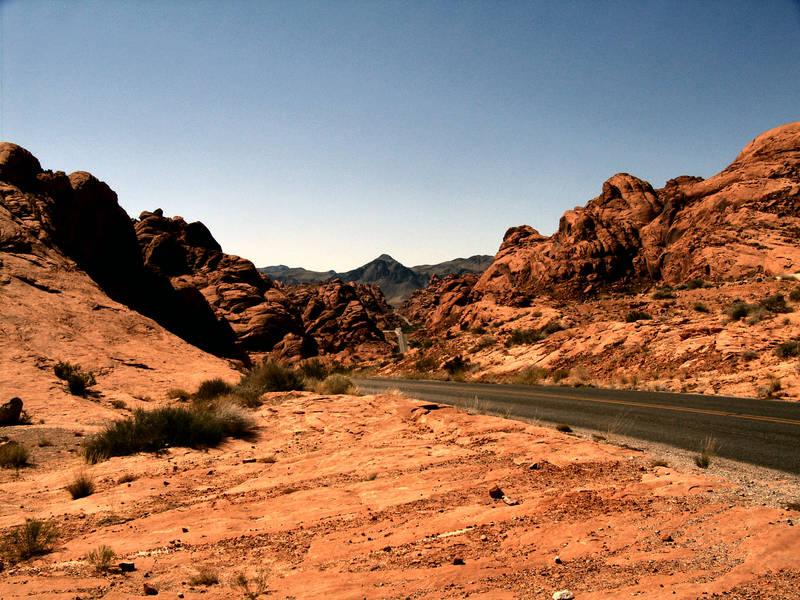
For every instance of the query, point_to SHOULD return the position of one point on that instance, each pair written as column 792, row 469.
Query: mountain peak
column 385, row 258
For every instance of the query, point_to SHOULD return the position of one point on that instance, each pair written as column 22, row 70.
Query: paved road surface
column 762, row 432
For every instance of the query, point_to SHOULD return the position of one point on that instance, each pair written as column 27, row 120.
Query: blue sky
column 322, row 134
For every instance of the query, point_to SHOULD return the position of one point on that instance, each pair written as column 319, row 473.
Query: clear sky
column 322, row 134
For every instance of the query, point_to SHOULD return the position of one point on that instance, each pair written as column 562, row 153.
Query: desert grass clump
column 794, row 295
column 696, row 283
column 251, row 587
column 530, row 375
column 31, row 539
column 101, row 558
column 559, row 375
column 637, row 315
column 314, row 369
column 120, row 404
column 663, row 293
column 700, row 307
column 205, row 576
column 787, row 349
column 178, row 394
column 337, row 384
column 212, row 388
column 485, row 341
column 707, row 450
column 81, row 486
column 552, row 327
column 235, row 421
column 154, row 430
column 776, row 304
column 738, row 310
column 521, row 337
column 14, row 455
column 271, row 376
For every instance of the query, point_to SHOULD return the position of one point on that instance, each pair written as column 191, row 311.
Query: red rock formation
column 741, row 222
column 260, row 314
column 339, row 316
column 441, row 299
column 51, row 218
column 175, row 272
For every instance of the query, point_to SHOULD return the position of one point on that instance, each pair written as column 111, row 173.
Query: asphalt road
column 761, row 432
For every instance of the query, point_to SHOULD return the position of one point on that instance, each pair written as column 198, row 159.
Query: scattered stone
column 149, row 590
column 563, row 595
column 127, row 567
column 558, row 560
column 248, row 460
column 666, row 538
column 458, row 561
column 495, row 492
column 484, row 538
column 185, row 529
column 510, row 501
column 10, row 412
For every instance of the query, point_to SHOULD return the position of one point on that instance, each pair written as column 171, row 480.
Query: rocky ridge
column 170, row 270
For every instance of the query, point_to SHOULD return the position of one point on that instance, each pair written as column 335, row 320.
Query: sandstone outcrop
column 173, row 271
column 75, row 222
column 259, row 314
column 743, row 222
column 339, row 315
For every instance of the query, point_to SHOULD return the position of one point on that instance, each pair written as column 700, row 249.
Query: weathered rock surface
column 259, row 313
column 290, row 321
column 75, row 222
column 744, row 221
column 172, row 271
column 339, row 316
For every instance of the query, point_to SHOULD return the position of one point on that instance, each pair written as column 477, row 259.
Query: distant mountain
column 396, row 280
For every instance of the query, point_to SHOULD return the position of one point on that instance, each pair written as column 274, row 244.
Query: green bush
column 63, row 369
column 455, row 365
column 637, row 315
column 13, row 455
column 738, row 310
column 314, row 369
column 33, row 538
column 485, row 341
column 155, row 430
column 523, row 336
column 788, row 349
column 79, row 383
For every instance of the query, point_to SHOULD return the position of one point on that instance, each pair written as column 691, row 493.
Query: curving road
column 761, row 432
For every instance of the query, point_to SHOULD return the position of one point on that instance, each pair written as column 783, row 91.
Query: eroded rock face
column 339, row 316
column 441, row 302
column 288, row 321
column 259, row 314
column 68, row 222
column 742, row 222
